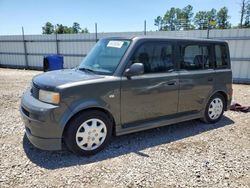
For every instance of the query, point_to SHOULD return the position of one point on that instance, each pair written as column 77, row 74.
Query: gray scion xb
column 126, row 85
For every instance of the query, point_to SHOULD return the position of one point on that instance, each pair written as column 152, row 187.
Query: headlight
column 49, row 96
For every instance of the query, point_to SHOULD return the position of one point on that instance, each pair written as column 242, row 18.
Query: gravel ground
column 190, row 154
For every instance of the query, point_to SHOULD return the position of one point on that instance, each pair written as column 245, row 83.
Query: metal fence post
column 208, row 28
column 57, row 45
column 145, row 27
column 96, row 39
column 25, row 50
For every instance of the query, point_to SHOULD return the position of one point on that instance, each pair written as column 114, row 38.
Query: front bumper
column 43, row 143
column 41, row 121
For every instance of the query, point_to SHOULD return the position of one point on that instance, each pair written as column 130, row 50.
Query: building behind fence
column 27, row 51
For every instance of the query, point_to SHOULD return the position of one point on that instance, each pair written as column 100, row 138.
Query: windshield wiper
column 86, row 69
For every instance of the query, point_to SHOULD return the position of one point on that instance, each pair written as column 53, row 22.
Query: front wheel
column 88, row 133
column 214, row 109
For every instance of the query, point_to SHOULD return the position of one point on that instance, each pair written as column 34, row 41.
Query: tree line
column 184, row 19
column 176, row 19
column 49, row 28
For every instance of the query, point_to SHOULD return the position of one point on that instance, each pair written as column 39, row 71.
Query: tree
column 76, row 28
column 247, row 16
column 211, row 16
column 170, row 20
column 59, row 29
column 201, row 20
column 179, row 19
column 242, row 11
column 48, row 28
column 67, row 30
column 185, row 17
column 159, row 22
column 62, row 29
column 85, row 30
column 222, row 18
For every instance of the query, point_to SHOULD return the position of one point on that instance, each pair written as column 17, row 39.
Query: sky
column 110, row 15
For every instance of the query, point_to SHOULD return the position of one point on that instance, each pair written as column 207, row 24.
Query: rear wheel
column 214, row 109
column 88, row 133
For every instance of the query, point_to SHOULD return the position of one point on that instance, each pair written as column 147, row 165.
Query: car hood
column 53, row 79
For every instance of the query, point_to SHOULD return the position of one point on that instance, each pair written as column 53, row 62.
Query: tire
column 214, row 109
column 88, row 133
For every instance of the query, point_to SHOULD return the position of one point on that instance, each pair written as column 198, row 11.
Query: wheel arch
column 225, row 97
column 103, row 110
column 221, row 92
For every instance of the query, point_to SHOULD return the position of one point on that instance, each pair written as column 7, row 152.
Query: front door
column 154, row 94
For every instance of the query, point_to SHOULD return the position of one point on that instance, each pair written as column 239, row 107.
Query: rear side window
column 221, row 56
column 196, row 57
column 156, row 57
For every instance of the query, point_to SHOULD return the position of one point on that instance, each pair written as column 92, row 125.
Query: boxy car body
column 178, row 80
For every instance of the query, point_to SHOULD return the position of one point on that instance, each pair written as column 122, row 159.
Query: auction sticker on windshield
column 115, row 44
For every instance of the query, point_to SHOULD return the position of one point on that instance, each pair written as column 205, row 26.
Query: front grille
column 35, row 91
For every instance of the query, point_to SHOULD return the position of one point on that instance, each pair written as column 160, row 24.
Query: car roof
column 164, row 38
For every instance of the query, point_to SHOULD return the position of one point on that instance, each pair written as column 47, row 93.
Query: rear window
column 196, row 57
column 221, row 57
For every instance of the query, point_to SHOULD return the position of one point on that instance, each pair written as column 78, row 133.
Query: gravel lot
column 190, row 154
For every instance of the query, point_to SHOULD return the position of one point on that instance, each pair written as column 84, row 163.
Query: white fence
column 27, row 51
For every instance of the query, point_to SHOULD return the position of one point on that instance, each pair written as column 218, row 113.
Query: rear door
column 154, row 94
column 196, row 75
column 223, row 76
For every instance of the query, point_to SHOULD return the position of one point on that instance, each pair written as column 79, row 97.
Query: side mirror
column 134, row 69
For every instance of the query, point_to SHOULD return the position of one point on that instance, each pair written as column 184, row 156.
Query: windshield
column 105, row 56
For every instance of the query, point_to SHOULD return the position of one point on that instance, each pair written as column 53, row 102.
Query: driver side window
column 156, row 57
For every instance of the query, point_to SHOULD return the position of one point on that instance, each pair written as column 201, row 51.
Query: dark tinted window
column 221, row 56
column 195, row 57
column 156, row 57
